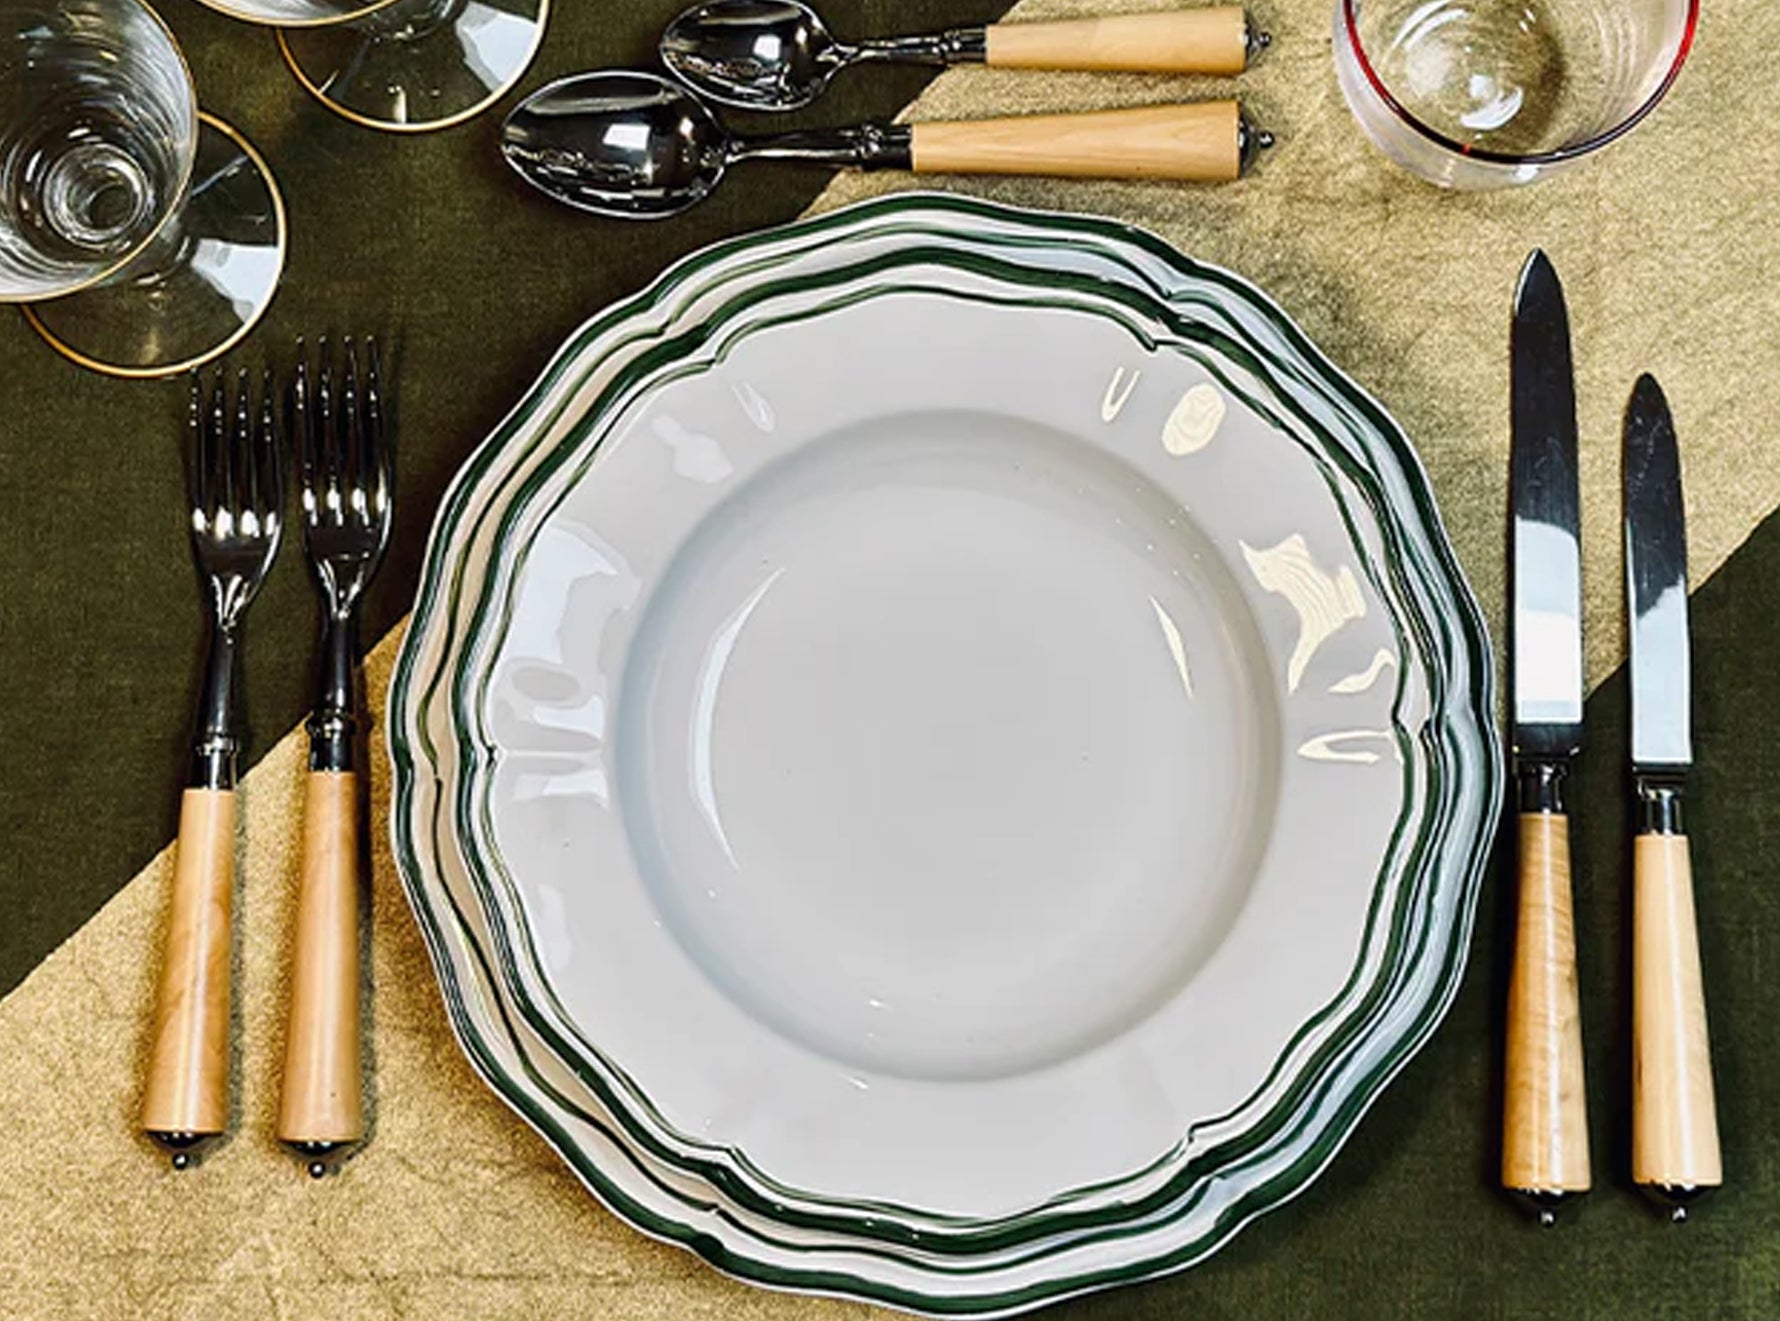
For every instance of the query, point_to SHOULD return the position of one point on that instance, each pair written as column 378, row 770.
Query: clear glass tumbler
column 1490, row 93
column 403, row 65
column 141, row 235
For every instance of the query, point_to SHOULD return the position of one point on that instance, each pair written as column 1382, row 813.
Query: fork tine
column 197, row 474
column 245, row 461
column 269, row 491
column 300, row 417
column 376, row 438
column 220, row 483
column 351, row 434
column 327, row 437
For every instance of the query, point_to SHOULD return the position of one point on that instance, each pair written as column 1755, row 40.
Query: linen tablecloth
column 1669, row 247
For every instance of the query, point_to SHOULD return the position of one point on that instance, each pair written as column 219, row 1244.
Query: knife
column 1544, row 1121
column 1675, row 1154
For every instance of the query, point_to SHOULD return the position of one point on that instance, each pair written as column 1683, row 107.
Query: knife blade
column 1675, row 1151
column 1656, row 585
column 1545, row 1156
column 1547, row 624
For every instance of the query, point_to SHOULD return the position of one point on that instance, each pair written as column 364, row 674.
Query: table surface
column 1669, row 249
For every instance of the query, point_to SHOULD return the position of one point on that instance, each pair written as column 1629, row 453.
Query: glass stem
column 168, row 251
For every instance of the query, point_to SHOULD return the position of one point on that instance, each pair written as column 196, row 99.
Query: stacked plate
column 943, row 756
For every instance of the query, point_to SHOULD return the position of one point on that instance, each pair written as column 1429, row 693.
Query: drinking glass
column 1489, row 93
column 403, row 65
column 141, row 235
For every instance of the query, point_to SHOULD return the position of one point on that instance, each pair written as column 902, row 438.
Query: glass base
column 198, row 289
column 420, row 64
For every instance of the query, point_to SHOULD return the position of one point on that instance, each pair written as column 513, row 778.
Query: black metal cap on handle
column 1544, row 1203
column 184, row 1148
column 319, row 1158
column 1250, row 141
column 1675, row 1200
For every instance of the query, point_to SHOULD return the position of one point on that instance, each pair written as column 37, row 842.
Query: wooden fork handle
column 1545, row 1119
column 1196, row 143
column 1212, row 41
column 321, row 1101
column 1674, row 1113
column 187, row 1096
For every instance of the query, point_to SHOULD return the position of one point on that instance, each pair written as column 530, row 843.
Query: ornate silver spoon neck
column 954, row 46
column 860, row 147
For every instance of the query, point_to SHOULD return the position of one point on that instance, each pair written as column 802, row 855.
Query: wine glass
column 403, row 65
column 1488, row 93
column 141, row 235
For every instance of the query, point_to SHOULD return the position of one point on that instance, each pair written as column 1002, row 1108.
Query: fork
column 343, row 452
column 236, row 488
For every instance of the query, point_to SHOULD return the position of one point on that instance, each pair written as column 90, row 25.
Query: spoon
column 636, row 145
column 778, row 55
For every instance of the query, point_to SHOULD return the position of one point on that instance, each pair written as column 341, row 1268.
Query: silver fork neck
column 215, row 744
column 333, row 724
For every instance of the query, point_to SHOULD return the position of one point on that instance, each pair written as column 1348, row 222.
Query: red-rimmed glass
column 1489, row 93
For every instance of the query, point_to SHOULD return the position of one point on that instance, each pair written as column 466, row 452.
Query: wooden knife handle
column 1674, row 1113
column 1213, row 41
column 1201, row 143
column 187, row 1096
column 1545, row 1116
column 321, row 1100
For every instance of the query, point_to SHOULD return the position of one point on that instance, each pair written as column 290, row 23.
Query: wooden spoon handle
column 1213, row 41
column 1545, row 1118
column 321, row 1101
column 1674, row 1113
column 187, row 1096
column 1189, row 142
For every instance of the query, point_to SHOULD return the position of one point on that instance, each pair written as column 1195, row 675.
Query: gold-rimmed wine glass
column 141, row 236
column 402, row 65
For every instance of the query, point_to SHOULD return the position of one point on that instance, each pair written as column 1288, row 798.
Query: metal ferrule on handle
column 1660, row 796
column 1540, row 784
column 333, row 724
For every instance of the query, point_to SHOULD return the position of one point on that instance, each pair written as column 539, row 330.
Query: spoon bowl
column 627, row 144
column 762, row 54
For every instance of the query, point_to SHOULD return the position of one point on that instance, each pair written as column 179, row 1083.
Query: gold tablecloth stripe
column 456, row 1209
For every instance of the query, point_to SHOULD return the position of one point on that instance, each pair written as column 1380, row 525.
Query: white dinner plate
column 958, row 777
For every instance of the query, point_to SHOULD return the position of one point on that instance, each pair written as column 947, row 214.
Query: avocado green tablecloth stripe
column 428, row 239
